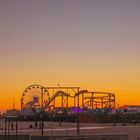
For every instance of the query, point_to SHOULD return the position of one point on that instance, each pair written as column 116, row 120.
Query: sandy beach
column 70, row 129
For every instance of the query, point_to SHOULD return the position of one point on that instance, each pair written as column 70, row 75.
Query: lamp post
column 8, row 120
column 42, row 99
column 42, row 109
column 16, row 128
column 42, row 125
column 43, row 91
column 8, row 128
column 5, row 121
column 78, row 119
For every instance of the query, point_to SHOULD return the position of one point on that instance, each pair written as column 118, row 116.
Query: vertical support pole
column 16, row 128
column 78, row 103
column 54, row 102
column 114, row 101
column 67, row 101
column 74, row 102
column 67, row 97
column 42, row 126
column 67, row 125
column 92, row 100
column 83, row 100
column 78, row 125
column 101, row 102
column 5, row 120
column 52, row 119
column 78, row 119
column 62, row 100
column 8, row 128
column 109, row 101
column 54, row 98
column 21, row 103
column 42, row 99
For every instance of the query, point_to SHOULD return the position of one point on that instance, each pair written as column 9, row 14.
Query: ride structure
column 48, row 99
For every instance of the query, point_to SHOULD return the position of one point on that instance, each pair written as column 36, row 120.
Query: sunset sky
column 93, row 44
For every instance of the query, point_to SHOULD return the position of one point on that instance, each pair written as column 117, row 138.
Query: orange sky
column 91, row 44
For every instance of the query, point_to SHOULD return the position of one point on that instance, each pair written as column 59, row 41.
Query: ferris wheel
column 34, row 96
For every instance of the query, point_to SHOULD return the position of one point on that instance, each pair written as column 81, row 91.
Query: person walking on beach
column 36, row 125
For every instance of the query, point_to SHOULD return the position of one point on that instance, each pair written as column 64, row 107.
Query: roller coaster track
column 58, row 93
column 79, row 98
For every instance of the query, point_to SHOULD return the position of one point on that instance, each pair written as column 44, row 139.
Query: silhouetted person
column 39, row 125
column 12, row 126
column 36, row 125
column 30, row 126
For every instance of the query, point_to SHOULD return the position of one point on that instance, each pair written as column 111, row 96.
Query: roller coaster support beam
column 5, row 120
column 67, row 102
column 74, row 102
column 62, row 100
column 92, row 100
column 82, row 100
column 102, row 102
column 114, row 102
column 109, row 100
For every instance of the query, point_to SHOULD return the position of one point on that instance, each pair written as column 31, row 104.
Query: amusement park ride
column 48, row 99
column 41, row 103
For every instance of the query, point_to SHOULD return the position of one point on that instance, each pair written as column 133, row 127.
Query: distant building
column 131, row 108
column 12, row 112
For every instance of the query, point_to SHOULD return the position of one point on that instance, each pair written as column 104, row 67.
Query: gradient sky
column 94, row 44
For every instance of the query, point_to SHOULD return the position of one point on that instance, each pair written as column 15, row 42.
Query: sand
column 69, row 129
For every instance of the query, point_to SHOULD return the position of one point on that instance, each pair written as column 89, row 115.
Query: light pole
column 16, row 127
column 43, row 90
column 42, row 125
column 5, row 120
